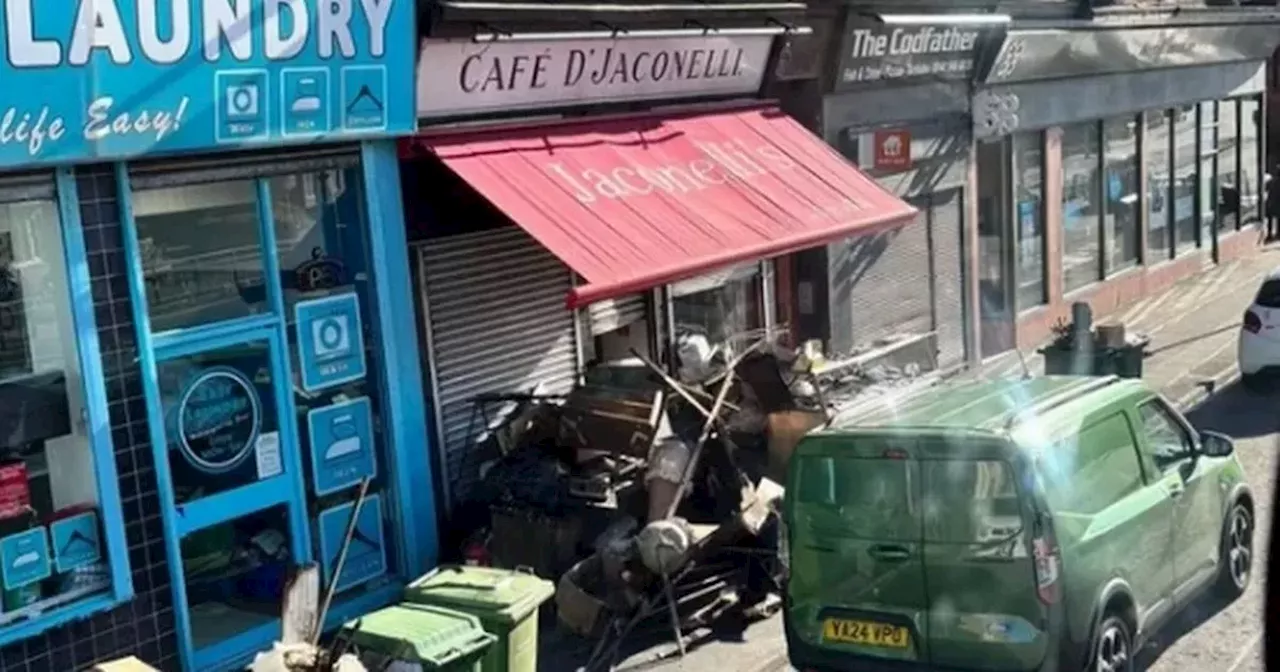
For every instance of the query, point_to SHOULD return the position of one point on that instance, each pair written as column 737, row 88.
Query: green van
column 1014, row 525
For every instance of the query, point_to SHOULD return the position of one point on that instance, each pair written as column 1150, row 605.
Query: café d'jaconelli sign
column 94, row 79
column 877, row 52
column 459, row 77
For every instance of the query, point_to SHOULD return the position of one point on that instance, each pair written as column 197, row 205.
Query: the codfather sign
column 876, row 52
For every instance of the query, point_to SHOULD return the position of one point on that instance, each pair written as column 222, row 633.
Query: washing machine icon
column 331, row 336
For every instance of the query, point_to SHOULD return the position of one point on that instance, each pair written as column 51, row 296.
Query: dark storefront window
column 1028, row 186
column 1186, row 161
column 726, row 307
column 1081, row 258
column 1159, row 187
column 1251, row 180
column 1228, row 165
column 1120, row 138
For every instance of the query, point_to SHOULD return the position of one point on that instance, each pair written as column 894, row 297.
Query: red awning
column 634, row 203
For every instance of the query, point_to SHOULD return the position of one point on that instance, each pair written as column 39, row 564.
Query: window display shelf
column 38, row 609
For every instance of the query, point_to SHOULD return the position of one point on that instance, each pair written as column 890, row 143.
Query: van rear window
column 864, row 498
column 969, row 501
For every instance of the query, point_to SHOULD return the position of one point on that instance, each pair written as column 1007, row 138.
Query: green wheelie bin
column 505, row 601
column 437, row 639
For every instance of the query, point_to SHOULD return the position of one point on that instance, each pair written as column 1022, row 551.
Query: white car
column 1259, row 349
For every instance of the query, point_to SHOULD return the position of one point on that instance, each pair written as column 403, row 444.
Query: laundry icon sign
column 341, row 438
column 345, row 435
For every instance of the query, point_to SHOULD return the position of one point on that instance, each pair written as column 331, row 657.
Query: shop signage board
column 879, row 52
column 1026, row 55
column 25, row 558
column 217, row 420
column 892, row 149
column 119, row 78
column 341, row 437
column 462, row 77
column 75, row 541
column 330, row 341
column 367, row 555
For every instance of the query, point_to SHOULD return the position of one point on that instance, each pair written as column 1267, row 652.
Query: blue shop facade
column 207, row 341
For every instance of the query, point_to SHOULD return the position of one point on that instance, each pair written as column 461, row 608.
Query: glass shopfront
column 256, row 295
column 1028, row 187
column 62, row 552
column 1204, row 171
column 1081, row 211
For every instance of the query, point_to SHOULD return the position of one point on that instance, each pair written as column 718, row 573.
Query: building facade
column 206, row 342
column 1056, row 151
column 1116, row 155
column 622, row 190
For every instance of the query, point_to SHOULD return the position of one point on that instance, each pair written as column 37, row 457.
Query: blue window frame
column 63, row 554
column 272, row 308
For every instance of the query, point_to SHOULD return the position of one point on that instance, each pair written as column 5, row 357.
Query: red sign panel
column 893, row 150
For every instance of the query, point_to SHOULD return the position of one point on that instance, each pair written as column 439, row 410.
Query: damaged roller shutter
column 613, row 314
column 496, row 323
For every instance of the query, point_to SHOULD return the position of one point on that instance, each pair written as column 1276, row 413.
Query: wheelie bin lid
column 492, row 594
column 432, row 636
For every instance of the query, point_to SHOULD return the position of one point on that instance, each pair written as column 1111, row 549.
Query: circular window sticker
column 219, row 415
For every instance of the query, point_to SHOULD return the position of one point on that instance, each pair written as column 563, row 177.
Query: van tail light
column 1252, row 323
column 1048, row 569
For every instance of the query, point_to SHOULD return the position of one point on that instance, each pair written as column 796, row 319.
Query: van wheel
column 1113, row 647
column 1236, row 559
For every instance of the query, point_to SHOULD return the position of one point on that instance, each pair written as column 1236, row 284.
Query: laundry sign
column 91, row 79
column 457, row 77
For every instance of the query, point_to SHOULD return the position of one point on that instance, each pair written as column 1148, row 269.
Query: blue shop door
column 219, row 385
column 264, row 399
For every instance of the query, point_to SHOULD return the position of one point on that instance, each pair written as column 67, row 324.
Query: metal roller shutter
column 495, row 319
column 880, row 286
column 945, row 217
column 613, row 314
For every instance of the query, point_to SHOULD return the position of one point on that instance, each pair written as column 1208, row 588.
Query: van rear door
column 985, row 607
column 857, row 582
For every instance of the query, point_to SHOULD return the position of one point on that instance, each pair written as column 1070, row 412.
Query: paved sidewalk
column 1193, row 328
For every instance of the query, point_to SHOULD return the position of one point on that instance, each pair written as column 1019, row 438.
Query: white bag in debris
column 695, row 354
column 667, row 460
column 300, row 657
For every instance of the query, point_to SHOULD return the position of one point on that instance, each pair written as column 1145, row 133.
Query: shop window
column 1028, row 187
column 1228, row 165
column 1207, row 196
column 1081, row 235
column 1120, row 192
column 724, row 307
column 1186, row 163
column 322, row 244
column 200, row 249
column 55, row 555
column 1159, row 186
column 1251, row 177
